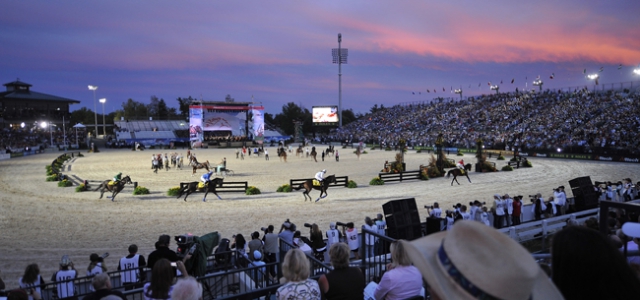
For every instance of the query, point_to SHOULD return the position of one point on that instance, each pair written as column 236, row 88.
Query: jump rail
column 233, row 187
column 341, row 181
column 401, row 176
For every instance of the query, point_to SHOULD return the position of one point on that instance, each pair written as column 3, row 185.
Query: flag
column 478, row 84
column 500, row 81
column 601, row 69
column 584, row 71
column 489, row 83
column 428, row 91
column 419, row 93
column 512, row 80
column 443, row 89
column 552, row 75
column 596, row 81
column 538, row 78
column 413, row 93
column 619, row 66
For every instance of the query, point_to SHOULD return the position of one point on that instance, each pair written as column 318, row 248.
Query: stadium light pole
column 104, row 126
column 95, row 113
column 339, row 57
column 538, row 83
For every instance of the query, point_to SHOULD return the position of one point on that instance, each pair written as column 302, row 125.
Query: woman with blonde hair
column 297, row 284
column 401, row 280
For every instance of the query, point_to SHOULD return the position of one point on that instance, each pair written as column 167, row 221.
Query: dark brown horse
column 113, row 188
column 314, row 154
column 457, row 172
column 196, row 165
column 192, row 187
column 308, row 186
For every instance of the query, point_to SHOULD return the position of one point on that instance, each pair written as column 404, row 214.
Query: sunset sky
column 280, row 51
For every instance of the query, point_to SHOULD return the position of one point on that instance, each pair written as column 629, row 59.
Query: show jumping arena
column 40, row 221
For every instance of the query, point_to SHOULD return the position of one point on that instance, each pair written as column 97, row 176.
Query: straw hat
column 474, row 261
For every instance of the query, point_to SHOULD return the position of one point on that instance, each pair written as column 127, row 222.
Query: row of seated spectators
column 23, row 140
column 577, row 121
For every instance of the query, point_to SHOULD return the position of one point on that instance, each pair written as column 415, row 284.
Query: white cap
column 631, row 229
column 257, row 255
column 324, row 171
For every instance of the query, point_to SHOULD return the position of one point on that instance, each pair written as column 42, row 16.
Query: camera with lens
column 428, row 207
column 307, row 225
column 264, row 229
column 533, row 198
column 186, row 245
column 341, row 224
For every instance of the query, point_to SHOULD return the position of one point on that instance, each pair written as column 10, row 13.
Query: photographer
column 517, row 210
column 65, row 286
column 508, row 208
column 351, row 235
column 96, row 265
column 370, row 240
column 317, row 241
column 333, row 235
column 133, row 267
column 538, row 207
column 286, row 234
column 255, row 244
column 434, row 211
column 559, row 200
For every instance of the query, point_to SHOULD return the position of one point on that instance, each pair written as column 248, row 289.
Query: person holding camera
column 163, row 251
column 133, row 267
column 255, row 244
column 64, row 277
column 351, row 234
column 317, row 242
column 369, row 239
column 517, row 210
column 163, row 275
column 286, row 234
column 508, row 208
column 559, row 200
column 31, row 279
column 96, row 265
column 381, row 226
column 435, row 211
column 333, row 235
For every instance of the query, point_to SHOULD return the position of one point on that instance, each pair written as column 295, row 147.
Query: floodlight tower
column 339, row 57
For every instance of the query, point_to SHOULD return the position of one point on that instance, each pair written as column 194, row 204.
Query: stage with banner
column 224, row 119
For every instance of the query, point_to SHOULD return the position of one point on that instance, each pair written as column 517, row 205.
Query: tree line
column 157, row 109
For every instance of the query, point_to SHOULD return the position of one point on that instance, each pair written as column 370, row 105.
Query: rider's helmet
column 324, row 171
column 120, row 173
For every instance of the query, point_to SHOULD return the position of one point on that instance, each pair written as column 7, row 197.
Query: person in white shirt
column 381, row 225
column 499, row 211
column 64, row 278
column 463, row 212
column 333, row 235
column 449, row 220
column 370, row 240
column 559, row 200
column 436, row 212
column 484, row 216
column 320, row 175
column 508, row 203
column 538, row 208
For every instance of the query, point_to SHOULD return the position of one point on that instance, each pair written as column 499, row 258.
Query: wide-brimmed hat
column 631, row 229
column 475, row 261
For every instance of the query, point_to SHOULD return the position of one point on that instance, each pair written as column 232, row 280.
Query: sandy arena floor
column 40, row 222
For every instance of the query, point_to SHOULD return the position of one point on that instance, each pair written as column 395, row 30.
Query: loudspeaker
column 403, row 219
column 583, row 193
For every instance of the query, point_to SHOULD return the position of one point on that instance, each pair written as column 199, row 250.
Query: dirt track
column 40, row 222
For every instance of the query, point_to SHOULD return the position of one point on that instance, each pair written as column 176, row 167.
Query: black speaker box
column 583, row 193
column 403, row 219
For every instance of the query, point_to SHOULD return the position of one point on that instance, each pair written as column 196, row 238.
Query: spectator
column 96, row 265
column 162, row 251
column 351, row 234
column 467, row 254
column 64, row 277
column 508, row 209
column 317, row 242
column 343, row 282
column 270, row 250
column 20, row 294
column 133, row 267
column 258, row 273
column 162, row 277
column 601, row 272
column 369, row 239
column 498, row 214
column 31, row 279
column 401, row 280
column 559, row 200
column 538, row 207
column 333, row 235
column 300, row 242
column 102, row 285
column 517, row 210
column 187, row 289
column 255, row 244
column 297, row 284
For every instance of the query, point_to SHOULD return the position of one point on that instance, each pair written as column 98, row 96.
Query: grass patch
column 174, row 191
column 352, row 184
column 140, row 190
column 81, row 188
column 252, row 190
column 376, row 181
column 507, row 168
column 285, row 188
column 64, row 183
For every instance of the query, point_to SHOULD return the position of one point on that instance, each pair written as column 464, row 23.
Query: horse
column 282, row 154
column 114, row 189
column 456, row 172
column 299, row 152
column 192, row 187
column 314, row 154
column 308, row 186
column 329, row 151
column 197, row 165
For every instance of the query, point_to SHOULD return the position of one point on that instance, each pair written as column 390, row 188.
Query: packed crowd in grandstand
column 576, row 122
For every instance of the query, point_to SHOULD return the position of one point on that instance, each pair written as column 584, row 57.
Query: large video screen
column 325, row 116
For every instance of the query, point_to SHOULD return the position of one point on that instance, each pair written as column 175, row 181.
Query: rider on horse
column 117, row 178
column 460, row 165
column 206, row 177
column 320, row 176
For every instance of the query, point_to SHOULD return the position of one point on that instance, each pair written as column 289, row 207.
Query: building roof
column 14, row 92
